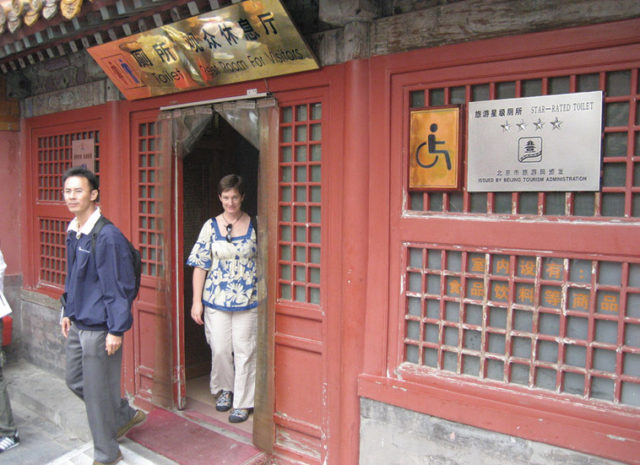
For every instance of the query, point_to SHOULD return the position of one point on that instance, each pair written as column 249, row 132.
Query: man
column 99, row 290
column 8, row 431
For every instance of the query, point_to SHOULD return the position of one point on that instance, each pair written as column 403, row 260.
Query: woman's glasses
column 229, row 228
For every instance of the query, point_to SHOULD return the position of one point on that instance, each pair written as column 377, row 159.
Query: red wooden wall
column 539, row 364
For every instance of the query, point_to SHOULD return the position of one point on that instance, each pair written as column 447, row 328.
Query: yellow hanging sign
column 242, row 42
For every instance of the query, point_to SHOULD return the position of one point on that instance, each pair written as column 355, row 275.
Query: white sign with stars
column 547, row 143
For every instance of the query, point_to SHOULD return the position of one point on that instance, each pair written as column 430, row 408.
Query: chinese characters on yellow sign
column 246, row 41
column 434, row 149
column 578, row 296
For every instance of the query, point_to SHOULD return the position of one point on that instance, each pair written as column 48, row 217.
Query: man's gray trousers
column 94, row 376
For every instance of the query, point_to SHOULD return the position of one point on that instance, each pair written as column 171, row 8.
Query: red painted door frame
column 313, row 430
column 288, row 92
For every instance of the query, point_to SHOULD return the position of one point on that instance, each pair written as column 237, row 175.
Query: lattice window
column 620, row 196
column 563, row 324
column 299, row 203
column 54, row 158
column 148, row 198
column 52, row 266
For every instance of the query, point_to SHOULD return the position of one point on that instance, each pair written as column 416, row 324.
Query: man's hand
column 65, row 325
column 113, row 343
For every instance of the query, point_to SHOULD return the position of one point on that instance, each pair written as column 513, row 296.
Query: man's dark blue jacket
column 100, row 286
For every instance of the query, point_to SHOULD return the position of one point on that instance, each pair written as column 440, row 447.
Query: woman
column 225, row 299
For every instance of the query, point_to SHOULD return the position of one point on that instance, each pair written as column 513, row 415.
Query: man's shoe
column 224, row 401
column 138, row 418
column 9, row 442
column 118, row 458
column 238, row 415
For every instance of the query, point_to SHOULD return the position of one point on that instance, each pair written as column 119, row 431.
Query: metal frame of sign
column 435, row 148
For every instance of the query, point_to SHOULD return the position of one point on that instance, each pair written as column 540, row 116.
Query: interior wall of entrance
column 220, row 151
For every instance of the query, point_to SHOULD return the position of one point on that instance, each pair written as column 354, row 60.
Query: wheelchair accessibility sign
column 434, row 149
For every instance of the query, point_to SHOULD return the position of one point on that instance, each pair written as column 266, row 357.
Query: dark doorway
column 220, row 151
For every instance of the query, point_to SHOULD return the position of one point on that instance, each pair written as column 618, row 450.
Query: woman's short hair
column 82, row 172
column 231, row 181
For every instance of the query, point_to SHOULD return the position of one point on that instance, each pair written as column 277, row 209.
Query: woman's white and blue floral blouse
column 231, row 268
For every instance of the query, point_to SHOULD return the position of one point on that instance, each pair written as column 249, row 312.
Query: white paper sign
column 82, row 153
column 547, row 143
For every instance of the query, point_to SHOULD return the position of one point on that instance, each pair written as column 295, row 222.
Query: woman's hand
column 196, row 312
column 199, row 276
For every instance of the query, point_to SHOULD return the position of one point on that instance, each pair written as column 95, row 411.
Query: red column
column 355, row 218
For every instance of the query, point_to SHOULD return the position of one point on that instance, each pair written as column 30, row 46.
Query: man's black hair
column 82, row 172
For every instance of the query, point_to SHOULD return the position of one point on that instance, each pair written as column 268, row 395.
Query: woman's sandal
column 223, row 403
column 238, row 415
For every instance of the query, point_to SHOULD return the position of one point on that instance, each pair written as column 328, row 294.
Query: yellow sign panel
column 434, row 149
column 242, row 42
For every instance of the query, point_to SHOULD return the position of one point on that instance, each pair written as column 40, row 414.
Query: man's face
column 78, row 195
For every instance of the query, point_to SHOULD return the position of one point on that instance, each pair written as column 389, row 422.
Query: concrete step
column 47, row 395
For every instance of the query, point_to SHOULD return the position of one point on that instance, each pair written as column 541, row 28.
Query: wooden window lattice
column 149, row 220
column 54, row 158
column 563, row 324
column 52, row 258
column 299, row 222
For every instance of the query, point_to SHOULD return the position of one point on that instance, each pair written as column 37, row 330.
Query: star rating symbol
column 521, row 125
column 538, row 124
column 556, row 124
column 506, row 127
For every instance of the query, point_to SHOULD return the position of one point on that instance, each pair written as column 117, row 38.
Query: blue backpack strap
column 136, row 258
column 101, row 223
